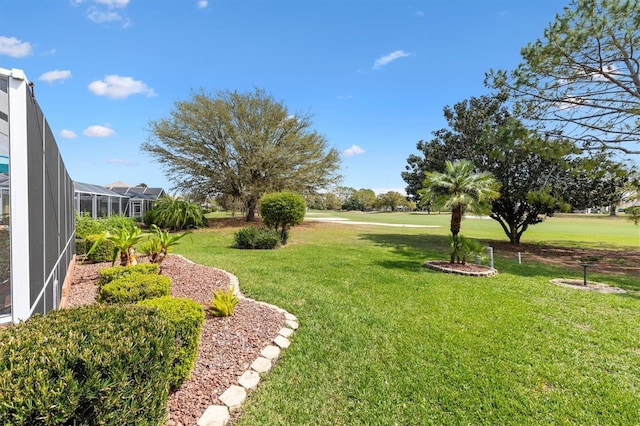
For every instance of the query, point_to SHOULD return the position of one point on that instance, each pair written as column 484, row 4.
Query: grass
column 385, row 341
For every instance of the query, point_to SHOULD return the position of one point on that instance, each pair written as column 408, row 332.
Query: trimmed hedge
column 97, row 364
column 102, row 253
column 251, row 237
column 186, row 318
column 106, row 275
column 134, row 287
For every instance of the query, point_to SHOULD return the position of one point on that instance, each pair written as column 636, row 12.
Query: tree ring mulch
column 591, row 286
column 468, row 269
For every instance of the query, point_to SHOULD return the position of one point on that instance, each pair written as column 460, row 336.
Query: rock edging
column 486, row 272
column 235, row 395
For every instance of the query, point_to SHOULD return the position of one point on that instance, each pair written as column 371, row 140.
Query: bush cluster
column 97, row 364
column 250, row 237
column 132, row 288
column 106, row 275
column 103, row 251
column 185, row 318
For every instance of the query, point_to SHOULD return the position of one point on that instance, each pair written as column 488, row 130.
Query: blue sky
column 373, row 74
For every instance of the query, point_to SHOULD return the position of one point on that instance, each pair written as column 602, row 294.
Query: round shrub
column 134, row 287
column 185, row 318
column 106, row 275
column 103, row 251
column 97, row 364
column 250, row 237
column 281, row 210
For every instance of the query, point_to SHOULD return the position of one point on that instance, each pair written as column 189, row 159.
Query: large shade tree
column 582, row 80
column 467, row 120
column 241, row 145
column 540, row 176
column 460, row 189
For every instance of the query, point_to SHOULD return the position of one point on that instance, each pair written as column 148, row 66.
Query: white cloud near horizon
column 393, row 56
column 98, row 131
column 68, row 134
column 51, row 76
column 354, row 150
column 119, row 87
column 13, row 47
column 202, row 4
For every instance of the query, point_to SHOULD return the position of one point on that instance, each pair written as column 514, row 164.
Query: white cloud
column 202, row 4
column 384, row 60
column 100, row 16
column 113, row 3
column 118, row 87
column 68, row 134
column 122, row 161
column 13, row 47
column 354, row 150
column 51, row 76
column 98, row 131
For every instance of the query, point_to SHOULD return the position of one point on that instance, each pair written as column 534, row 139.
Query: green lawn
column 384, row 341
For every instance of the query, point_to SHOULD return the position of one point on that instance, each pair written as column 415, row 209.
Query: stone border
column 490, row 272
column 591, row 286
column 235, row 395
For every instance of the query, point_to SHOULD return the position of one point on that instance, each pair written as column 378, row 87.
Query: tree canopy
column 539, row 175
column 241, row 145
column 582, row 80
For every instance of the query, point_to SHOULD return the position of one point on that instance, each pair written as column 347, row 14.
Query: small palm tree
column 162, row 241
column 124, row 241
column 459, row 188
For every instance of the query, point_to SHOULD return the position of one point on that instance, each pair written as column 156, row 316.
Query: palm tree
column 459, row 188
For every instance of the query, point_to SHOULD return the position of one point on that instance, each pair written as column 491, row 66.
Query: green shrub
column 134, row 287
column 463, row 248
column 86, row 225
column 118, row 222
column 185, row 317
column 106, row 275
column 176, row 214
column 103, row 251
column 81, row 247
column 250, row 237
column 223, row 303
column 93, row 365
column 281, row 210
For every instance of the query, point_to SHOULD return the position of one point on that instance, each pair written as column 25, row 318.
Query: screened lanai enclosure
column 99, row 201
column 37, row 205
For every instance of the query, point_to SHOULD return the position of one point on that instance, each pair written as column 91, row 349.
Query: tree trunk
column 613, row 210
column 456, row 219
column 251, row 209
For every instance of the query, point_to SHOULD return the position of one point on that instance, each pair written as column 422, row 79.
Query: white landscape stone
column 214, row 415
column 292, row 324
column 261, row 365
column 270, row 352
column 285, row 332
column 282, row 341
column 249, row 379
column 233, row 397
column 290, row 317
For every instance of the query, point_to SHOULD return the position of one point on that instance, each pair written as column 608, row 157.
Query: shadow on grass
column 418, row 248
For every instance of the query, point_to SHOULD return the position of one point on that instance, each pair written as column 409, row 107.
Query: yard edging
column 234, row 396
